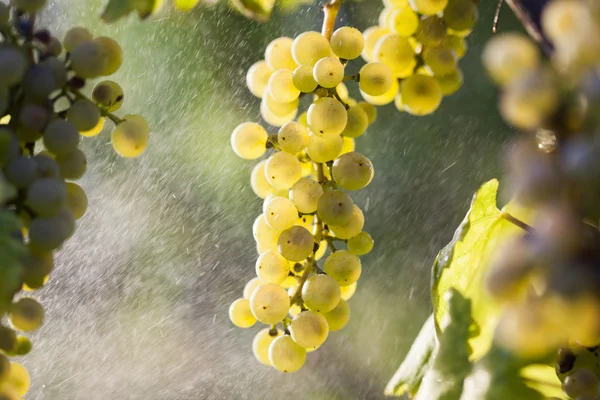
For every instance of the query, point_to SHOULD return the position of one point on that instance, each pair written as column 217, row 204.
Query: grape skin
column 61, row 137
column 264, row 235
column 26, row 314
column 328, row 72
column 509, row 55
column 130, row 137
column 421, row 94
column 372, row 36
column 18, row 379
column 12, row 65
column 292, row 137
column 335, row 207
column 75, row 36
column 281, row 86
column 347, row 43
column 271, row 267
column 84, row 115
column 360, row 244
column 249, row 140
column 278, row 54
column 348, row 291
column 251, row 286
column 358, row 121
column 281, row 213
column 352, row 228
column 89, row 59
column 285, row 355
column 46, row 196
column 338, row 317
column 283, row 170
column 261, row 343
column 257, row 78
column 305, row 195
column 344, row 267
column 352, row 171
column 396, row 53
column 73, row 165
column 295, row 243
column 321, row 293
column 258, row 181
column 309, row 47
column 309, row 329
column 303, row 79
column 323, row 149
column 77, row 201
column 269, row 303
column 375, row 78
column 327, row 117
column 114, row 54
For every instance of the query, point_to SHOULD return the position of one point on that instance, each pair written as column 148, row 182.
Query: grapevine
column 44, row 115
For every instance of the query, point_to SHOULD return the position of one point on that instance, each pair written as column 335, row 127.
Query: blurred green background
column 137, row 306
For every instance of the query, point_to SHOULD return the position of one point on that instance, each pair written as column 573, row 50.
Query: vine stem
column 330, row 10
column 512, row 219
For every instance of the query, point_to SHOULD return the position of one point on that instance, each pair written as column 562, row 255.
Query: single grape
column 261, row 343
column 321, row 293
column 278, row 54
column 281, row 86
column 295, row 243
column 351, row 228
column 240, row 314
column 114, row 54
column 440, row 60
column 76, row 36
column 61, row 137
column 404, row 22
column 130, row 137
column 338, row 317
column 358, row 121
column 77, row 201
column 370, row 110
column 450, row 83
column 375, row 78
column 309, row 47
column 323, row 149
column 264, row 234
column 385, row 17
column 421, row 94
column 347, row 43
column 275, row 120
column 335, row 207
column 26, row 314
column 54, row 47
column 58, row 69
column 12, row 65
column 249, row 140
column 328, row 72
column 292, row 137
column 21, row 171
column 285, row 355
column 277, row 108
column 509, row 55
column 309, row 329
column 305, row 195
column 269, row 303
column 432, row 31
column 39, row 81
column 271, row 267
column 89, row 59
column 343, row 266
column 46, row 196
column 372, row 36
column 36, row 267
column 251, row 286
column 23, row 348
column 258, row 181
column 352, row 171
column 580, row 382
column 281, row 213
column 461, row 15
column 283, row 170
column 84, row 115
column 95, row 130
column 566, row 21
column 303, row 79
column 428, row 7
column 72, row 166
column 327, row 117
column 456, row 43
column 108, row 95
column 348, row 145
column 18, row 379
column 348, row 291
column 257, row 78
column 360, row 244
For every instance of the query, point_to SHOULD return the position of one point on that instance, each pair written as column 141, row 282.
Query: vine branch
column 330, row 10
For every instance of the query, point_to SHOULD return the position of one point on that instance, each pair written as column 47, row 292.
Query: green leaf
column 444, row 381
column 407, row 378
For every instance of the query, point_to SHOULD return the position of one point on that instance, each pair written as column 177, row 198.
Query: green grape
column 18, row 379
column 4, row 361
column 277, row 108
column 295, row 243
column 323, row 149
column 26, row 314
column 76, row 36
column 328, row 72
column 251, row 286
column 72, row 166
column 263, row 234
column 509, row 55
column 385, row 17
column 450, row 83
column 269, row 303
column 321, row 293
column 396, row 53
column 240, row 314
column 360, row 244
column 343, row 266
column 276, row 120
column 258, row 181
column 109, row 95
column 36, row 267
column 335, row 207
column 351, row 228
column 29, row 6
column 281, row 86
column 352, row 171
column 358, row 121
column 114, row 54
column 130, row 137
column 292, row 137
column 375, row 78
column 327, row 117
column 21, row 171
column 77, row 201
column 428, row 7
column 348, row 291
column 348, row 145
column 305, row 195
column 303, row 79
column 421, row 94
column 95, row 130
column 440, row 60
column 39, row 81
column 271, row 267
column 302, row 119
column 89, row 59
column 8, row 339
column 461, row 15
column 61, row 137
column 338, row 317
column 283, row 170
column 46, row 196
column 23, row 348
column 309, row 329
column 456, row 43
column 281, row 213
column 370, row 110
column 580, row 382
column 285, row 355
column 404, row 21
column 12, row 65
column 347, row 43
column 257, row 78
column 309, row 47
column 372, row 36
column 84, row 115
column 431, row 32
column 278, row 54
column 385, row 98
column 261, row 343
column 249, row 140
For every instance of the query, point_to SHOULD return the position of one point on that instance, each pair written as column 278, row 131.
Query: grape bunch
column 421, row 42
column 307, row 213
column 44, row 113
column 549, row 277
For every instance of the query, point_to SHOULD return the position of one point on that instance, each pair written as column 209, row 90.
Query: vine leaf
column 117, row 9
column 407, row 378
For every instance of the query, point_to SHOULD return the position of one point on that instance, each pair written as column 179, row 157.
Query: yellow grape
column 456, row 43
column 372, row 36
column 421, row 94
column 328, row 72
column 292, row 137
column 89, row 59
column 285, row 355
column 360, row 244
column 258, row 181
column 385, row 98
column 283, row 170
column 251, row 286
column 281, row 86
column 309, row 47
column 431, row 31
column 348, row 145
column 461, row 15
column 347, row 43
column 375, row 78
column 263, row 234
column 385, row 17
column 338, row 317
column 343, row 266
column 342, row 91
column 428, row 7
column 309, row 329
column 281, row 213
column 358, row 121
column 75, row 36
column 269, row 303
column 26, row 314
column 404, row 21
column 95, row 130
column 77, row 201
column 370, row 110
column 566, row 21
column 352, row 171
column 509, row 55
column 108, row 94
column 18, row 379
column 295, row 243
column 335, row 207
column 303, row 79
column 271, row 267
column 261, row 343
column 323, row 149
column 440, row 60
column 249, row 140
column 305, row 195
column 240, row 314
column 396, row 3
column 351, row 228
column 185, row 5
column 257, row 78
column 348, row 291
column 321, row 293
column 275, row 120
column 278, row 54
column 114, row 54
column 450, row 83
column 277, row 108
column 396, row 52
column 327, row 117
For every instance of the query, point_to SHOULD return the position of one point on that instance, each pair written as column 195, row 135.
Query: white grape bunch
column 310, row 234
column 44, row 117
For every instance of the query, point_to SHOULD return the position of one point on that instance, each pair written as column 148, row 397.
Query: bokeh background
column 137, row 305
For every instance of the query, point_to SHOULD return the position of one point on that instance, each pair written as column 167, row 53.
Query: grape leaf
column 444, row 381
column 407, row 378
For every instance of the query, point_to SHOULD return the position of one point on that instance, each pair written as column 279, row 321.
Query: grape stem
column 330, row 10
column 116, row 120
column 512, row 219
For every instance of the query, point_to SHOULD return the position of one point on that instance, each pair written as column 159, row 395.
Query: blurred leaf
column 186, row 5
column 259, row 10
column 287, row 6
column 444, row 381
column 407, row 378
column 117, row 9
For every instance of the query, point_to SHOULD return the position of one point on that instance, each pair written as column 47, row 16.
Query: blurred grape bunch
column 43, row 114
